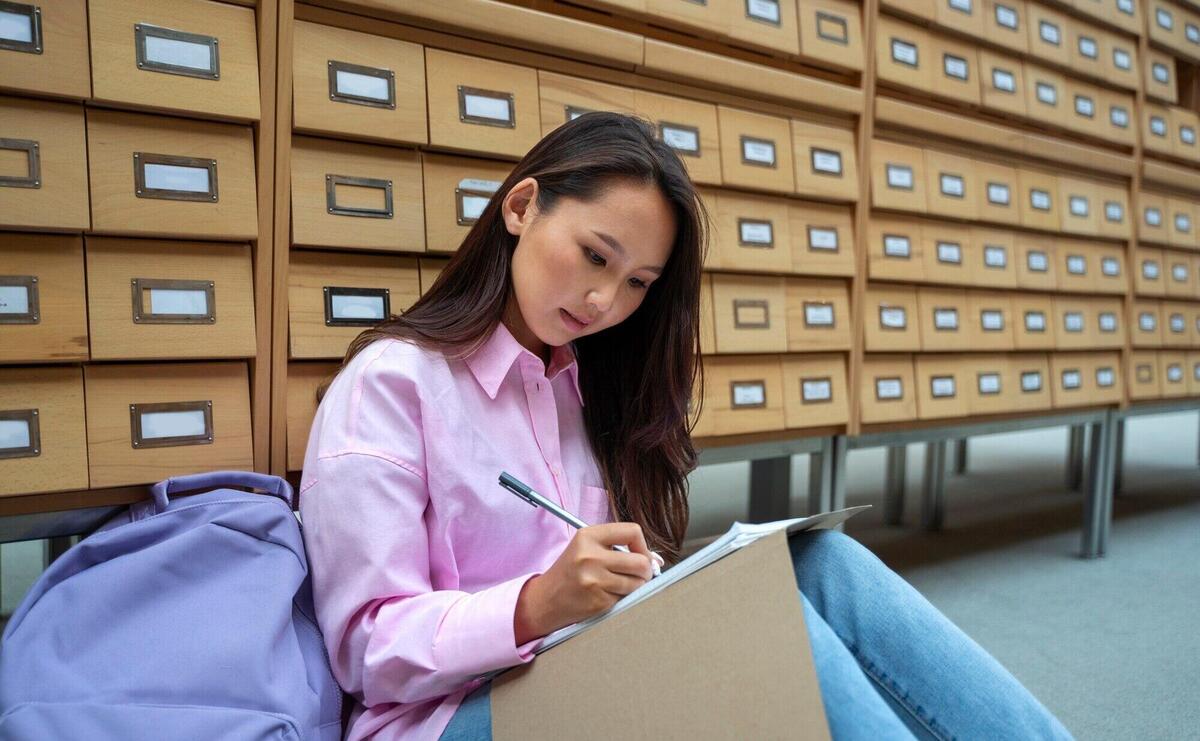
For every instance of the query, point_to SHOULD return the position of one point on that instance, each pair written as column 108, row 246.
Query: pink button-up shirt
column 417, row 554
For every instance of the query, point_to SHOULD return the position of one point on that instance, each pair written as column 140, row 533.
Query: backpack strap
column 275, row 485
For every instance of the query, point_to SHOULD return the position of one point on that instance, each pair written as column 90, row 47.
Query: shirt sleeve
column 392, row 637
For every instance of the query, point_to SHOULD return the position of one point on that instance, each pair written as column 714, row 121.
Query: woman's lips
column 572, row 323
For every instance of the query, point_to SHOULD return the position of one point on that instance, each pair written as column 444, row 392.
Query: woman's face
column 584, row 266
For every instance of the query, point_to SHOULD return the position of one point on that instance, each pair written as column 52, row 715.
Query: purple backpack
column 188, row 618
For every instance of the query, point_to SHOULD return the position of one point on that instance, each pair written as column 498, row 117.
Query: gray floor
column 1110, row 645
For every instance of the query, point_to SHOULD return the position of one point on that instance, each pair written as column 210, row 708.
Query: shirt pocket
column 593, row 505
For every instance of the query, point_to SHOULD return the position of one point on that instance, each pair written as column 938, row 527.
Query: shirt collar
column 491, row 361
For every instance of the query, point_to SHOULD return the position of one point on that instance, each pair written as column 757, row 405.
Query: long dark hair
column 638, row 376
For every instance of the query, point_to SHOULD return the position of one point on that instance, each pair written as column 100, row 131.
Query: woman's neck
column 522, row 333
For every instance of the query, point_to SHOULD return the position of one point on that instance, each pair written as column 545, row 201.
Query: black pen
column 524, row 491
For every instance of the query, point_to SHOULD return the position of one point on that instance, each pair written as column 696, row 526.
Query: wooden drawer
column 356, row 196
column 1084, row 108
column 1109, row 315
column 358, row 85
column 1037, row 263
column 162, row 177
column 943, row 318
column 897, row 177
column 918, row 8
column 1164, row 22
column 457, row 189
column 1153, row 226
column 302, row 382
column 1160, row 77
column 1086, row 48
column 949, row 253
column 756, row 150
column 822, row 239
column 1110, row 268
column 814, row 390
column 1116, row 118
column 1104, row 376
column 1177, row 271
column 1049, row 32
column 1184, row 125
column 952, row 187
column 1149, row 279
column 892, row 320
column 988, row 321
column 895, row 249
column 1144, row 382
column 1005, row 23
column 826, row 163
column 481, row 105
column 1075, row 323
column 956, row 76
column 904, row 54
column 1040, row 206
column 708, row 322
column 1183, row 223
column 1193, row 315
column 44, row 445
column 1077, row 267
column 1045, row 95
column 750, row 313
column 148, row 422
column 1080, row 204
column 1031, row 381
column 1173, row 374
column 965, row 16
column 831, row 31
column 750, row 233
column 1193, row 371
column 1119, row 60
column 1033, row 322
column 1147, row 324
column 887, row 389
column 42, row 313
column 999, row 197
column 46, row 49
column 564, row 98
column 1072, row 386
column 430, row 268
column 988, row 383
column 765, row 24
column 707, row 19
column 942, row 386
column 1156, row 129
column 741, row 395
column 690, row 128
column 1196, row 273
column 43, row 165
column 151, row 299
column 192, row 56
column 1176, row 325
column 818, row 315
column 1002, row 83
column 994, row 253
column 1114, row 212
column 333, row 297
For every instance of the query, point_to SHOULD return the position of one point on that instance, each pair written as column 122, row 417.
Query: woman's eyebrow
column 620, row 250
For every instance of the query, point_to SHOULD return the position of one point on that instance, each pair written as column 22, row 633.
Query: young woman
column 560, row 345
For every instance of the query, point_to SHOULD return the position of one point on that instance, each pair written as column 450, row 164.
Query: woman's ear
column 520, row 206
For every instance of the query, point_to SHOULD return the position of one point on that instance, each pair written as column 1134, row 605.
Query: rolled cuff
column 477, row 633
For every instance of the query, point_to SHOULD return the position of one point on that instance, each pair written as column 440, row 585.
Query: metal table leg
column 1075, row 457
column 1094, row 496
column 893, row 502
column 1112, row 460
column 820, row 478
column 839, row 451
column 770, row 488
column 1118, row 456
column 933, row 499
column 960, row 456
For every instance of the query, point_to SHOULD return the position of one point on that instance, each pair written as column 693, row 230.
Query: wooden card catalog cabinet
column 892, row 321
column 481, row 105
column 356, row 196
column 826, row 163
column 751, row 232
column 457, row 189
column 822, row 239
column 741, row 395
column 192, row 56
column 814, row 390
column 160, row 176
column 690, row 128
column 302, row 382
column 148, row 422
column 42, row 312
column 332, row 297
column 818, row 315
column 162, row 300
column 750, row 313
column 886, row 389
column 756, row 150
column 42, row 438
column 358, row 85
column 43, row 165
column 44, row 48
column 1031, row 384
column 565, row 98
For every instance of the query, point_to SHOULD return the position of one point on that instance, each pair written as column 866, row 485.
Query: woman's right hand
column 588, row 577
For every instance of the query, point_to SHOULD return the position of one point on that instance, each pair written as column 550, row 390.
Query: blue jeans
column 890, row 666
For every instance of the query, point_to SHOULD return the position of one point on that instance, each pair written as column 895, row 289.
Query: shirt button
column 556, row 471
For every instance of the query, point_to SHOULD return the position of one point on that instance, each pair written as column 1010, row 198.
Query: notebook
column 739, row 535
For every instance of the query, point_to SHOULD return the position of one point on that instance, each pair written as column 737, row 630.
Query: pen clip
column 517, row 490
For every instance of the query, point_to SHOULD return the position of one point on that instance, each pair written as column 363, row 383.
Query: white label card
column 998, row 194
column 1035, row 321
column 995, row 257
column 346, row 306
column 1031, row 381
column 1118, row 116
column 1037, row 262
column 952, row 185
column 472, row 206
column 177, row 177
column 820, row 390
column 16, row 27
column 757, row 232
column 749, row 394
column 1160, row 73
column 1179, row 273
column 14, row 433
column 1114, row 212
column 1174, row 373
column 1150, row 270
column 685, row 140
column 1004, row 80
column 360, row 85
column 1079, row 206
column 949, row 252
column 156, row 425
column 1047, row 93
column 889, row 388
column 486, row 106
column 1071, row 379
column 818, row 315
column 822, row 239
column 1153, row 217
column 1039, row 199
column 1163, row 17
column 989, row 383
column 991, row 320
column 1087, row 47
column 1006, row 16
column 14, row 300
column 1073, row 321
column 1076, row 265
column 1049, row 33
column 955, row 67
column 1125, row 6
column 945, row 319
column 942, row 386
column 904, row 52
column 765, row 10
column 1178, row 324
column 1183, row 222
column 178, row 301
column 1108, row 321
column 893, row 317
column 762, row 152
column 1158, row 126
column 1122, row 59
column 961, row 5
column 825, row 161
column 900, row 176
column 894, row 246
column 1187, row 135
column 1084, row 106
column 180, row 53
column 1147, row 322
column 1105, row 377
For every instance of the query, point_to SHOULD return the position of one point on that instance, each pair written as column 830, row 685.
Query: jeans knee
column 823, row 545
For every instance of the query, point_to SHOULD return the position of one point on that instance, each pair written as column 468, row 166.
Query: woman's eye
column 637, row 282
column 594, row 256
